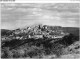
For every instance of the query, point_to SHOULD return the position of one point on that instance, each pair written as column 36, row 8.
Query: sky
column 18, row 15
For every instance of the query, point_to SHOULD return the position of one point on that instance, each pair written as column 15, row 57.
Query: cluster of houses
column 39, row 31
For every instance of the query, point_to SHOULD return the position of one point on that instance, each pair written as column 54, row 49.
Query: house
column 58, row 36
column 37, row 36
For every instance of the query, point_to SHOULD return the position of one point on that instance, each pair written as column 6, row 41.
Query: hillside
column 37, row 41
column 73, row 30
column 5, row 32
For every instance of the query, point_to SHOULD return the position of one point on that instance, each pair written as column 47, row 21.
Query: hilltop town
column 38, row 31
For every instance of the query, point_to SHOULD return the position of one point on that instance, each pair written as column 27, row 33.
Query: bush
column 6, row 53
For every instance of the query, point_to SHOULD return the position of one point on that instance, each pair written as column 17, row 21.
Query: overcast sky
column 23, row 14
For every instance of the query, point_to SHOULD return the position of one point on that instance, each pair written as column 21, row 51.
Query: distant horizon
column 35, row 25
